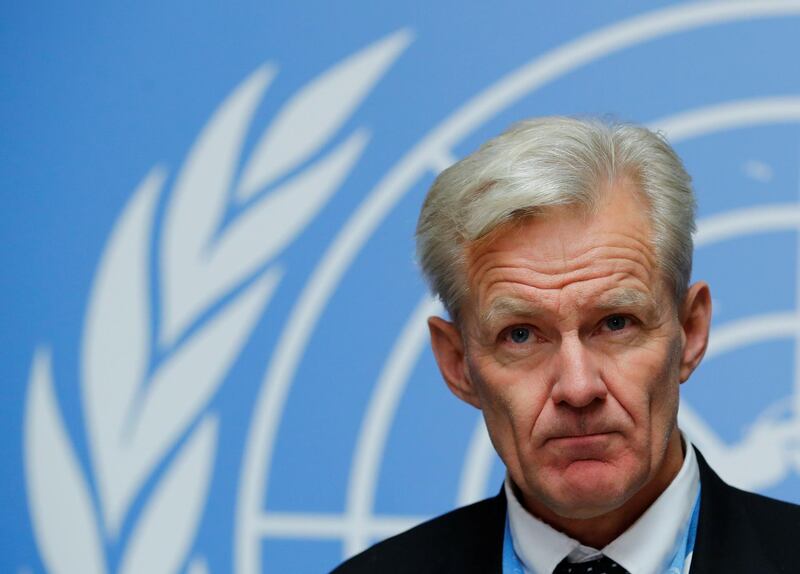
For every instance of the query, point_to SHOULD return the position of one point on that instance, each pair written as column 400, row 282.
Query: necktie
column 603, row 565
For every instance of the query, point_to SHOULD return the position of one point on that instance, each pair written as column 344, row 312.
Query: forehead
column 569, row 254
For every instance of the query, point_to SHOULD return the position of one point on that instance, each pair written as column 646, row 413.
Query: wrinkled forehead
column 589, row 253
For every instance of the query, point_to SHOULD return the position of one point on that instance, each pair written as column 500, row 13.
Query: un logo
column 352, row 436
column 405, row 430
column 152, row 359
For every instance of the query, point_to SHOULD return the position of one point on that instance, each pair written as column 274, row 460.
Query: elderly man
column 562, row 251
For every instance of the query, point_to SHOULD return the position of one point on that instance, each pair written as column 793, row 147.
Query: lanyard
column 680, row 563
column 511, row 562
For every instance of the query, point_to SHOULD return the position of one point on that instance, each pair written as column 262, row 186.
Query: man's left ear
column 695, row 317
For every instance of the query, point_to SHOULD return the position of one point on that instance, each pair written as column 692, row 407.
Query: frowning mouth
column 582, row 438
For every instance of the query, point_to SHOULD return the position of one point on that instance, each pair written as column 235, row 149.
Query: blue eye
column 616, row 322
column 519, row 334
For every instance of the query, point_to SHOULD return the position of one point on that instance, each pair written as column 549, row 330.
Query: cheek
column 512, row 404
column 645, row 383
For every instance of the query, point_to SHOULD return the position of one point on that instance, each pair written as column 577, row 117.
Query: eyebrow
column 624, row 298
column 509, row 306
column 629, row 299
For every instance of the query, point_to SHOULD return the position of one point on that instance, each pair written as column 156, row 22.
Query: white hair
column 550, row 161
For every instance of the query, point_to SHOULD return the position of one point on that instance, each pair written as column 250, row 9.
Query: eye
column 519, row 335
column 616, row 322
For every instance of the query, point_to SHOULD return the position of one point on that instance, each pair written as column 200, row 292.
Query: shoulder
column 777, row 517
column 467, row 539
column 772, row 526
column 741, row 531
column 761, row 511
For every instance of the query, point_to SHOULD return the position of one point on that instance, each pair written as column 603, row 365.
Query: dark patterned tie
column 603, row 565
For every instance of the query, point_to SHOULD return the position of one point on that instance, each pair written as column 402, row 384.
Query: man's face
column 574, row 350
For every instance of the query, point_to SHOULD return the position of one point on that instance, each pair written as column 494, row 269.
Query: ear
column 695, row 322
column 448, row 348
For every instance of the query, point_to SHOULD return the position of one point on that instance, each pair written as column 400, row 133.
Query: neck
column 601, row 530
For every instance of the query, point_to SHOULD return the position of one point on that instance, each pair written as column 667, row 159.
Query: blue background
column 94, row 95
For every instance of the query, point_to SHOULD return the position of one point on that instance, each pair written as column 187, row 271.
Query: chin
column 588, row 489
column 582, row 508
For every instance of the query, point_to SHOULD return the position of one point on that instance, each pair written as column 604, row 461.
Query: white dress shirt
column 644, row 548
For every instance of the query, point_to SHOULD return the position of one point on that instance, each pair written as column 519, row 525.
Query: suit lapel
column 483, row 553
column 725, row 540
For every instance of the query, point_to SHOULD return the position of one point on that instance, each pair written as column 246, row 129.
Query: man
column 562, row 251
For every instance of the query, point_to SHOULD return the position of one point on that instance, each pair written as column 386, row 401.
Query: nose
column 578, row 380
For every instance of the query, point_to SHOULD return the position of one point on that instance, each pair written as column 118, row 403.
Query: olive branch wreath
column 146, row 381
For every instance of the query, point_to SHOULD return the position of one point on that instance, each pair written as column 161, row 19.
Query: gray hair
column 545, row 162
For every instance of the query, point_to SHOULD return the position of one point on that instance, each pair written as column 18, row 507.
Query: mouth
column 581, row 435
column 582, row 440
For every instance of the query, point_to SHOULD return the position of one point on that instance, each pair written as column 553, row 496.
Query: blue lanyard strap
column 511, row 562
column 681, row 559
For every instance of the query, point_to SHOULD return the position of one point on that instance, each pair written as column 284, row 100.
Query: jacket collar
column 726, row 540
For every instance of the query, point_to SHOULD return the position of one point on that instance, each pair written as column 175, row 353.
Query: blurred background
column 214, row 354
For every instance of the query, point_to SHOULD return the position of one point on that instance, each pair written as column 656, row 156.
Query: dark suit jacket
column 738, row 532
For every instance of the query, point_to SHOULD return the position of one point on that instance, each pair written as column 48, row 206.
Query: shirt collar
column 643, row 548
